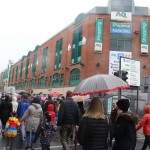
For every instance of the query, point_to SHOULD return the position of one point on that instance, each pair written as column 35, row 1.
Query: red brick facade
column 92, row 62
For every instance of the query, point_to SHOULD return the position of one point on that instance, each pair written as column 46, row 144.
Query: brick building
column 84, row 48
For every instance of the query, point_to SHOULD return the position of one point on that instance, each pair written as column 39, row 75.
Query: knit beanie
column 123, row 104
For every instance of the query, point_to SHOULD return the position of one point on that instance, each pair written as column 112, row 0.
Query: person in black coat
column 68, row 118
column 124, row 129
column 5, row 111
column 93, row 128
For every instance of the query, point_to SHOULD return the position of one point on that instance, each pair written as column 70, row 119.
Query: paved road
column 55, row 144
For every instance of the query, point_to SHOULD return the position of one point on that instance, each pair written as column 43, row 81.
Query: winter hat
column 123, row 104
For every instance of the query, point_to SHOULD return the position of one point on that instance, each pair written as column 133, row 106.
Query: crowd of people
column 94, row 130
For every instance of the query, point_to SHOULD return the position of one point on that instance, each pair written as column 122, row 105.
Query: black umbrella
column 100, row 83
column 24, row 93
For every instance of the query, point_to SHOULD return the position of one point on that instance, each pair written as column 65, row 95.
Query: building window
column 62, row 80
column 56, row 80
column 51, row 82
column 58, row 54
column 121, row 42
column 12, row 79
column 33, row 83
column 16, row 73
column 42, row 82
column 74, row 77
column 27, row 68
column 46, row 82
column 44, row 60
column 21, row 69
column 124, row 6
column 76, row 46
column 34, row 65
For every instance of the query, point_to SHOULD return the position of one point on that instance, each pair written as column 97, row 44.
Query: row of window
column 55, row 81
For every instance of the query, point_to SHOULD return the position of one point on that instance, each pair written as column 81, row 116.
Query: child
column 45, row 130
column 11, row 129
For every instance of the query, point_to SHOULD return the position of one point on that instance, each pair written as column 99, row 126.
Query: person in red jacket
column 145, row 123
column 51, row 111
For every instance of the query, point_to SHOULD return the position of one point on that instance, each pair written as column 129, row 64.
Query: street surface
column 55, row 144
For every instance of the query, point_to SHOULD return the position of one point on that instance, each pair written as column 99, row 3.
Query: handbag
column 108, row 137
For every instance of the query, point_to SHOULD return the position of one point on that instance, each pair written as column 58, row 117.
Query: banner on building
column 121, row 16
column 114, row 58
column 121, row 27
column 99, row 35
column 144, row 36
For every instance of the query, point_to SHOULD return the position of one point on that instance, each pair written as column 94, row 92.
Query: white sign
column 114, row 58
column 98, row 47
column 144, row 48
column 121, row 16
column 133, row 69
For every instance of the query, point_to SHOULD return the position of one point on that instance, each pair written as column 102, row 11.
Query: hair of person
column 7, row 98
column 36, row 100
column 95, row 109
column 68, row 94
column 47, row 116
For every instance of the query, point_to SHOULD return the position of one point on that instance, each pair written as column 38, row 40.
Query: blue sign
column 121, row 30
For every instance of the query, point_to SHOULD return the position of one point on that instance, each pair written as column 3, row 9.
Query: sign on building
column 144, row 36
column 99, row 35
column 114, row 58
column 121, row 27
column 121, row 16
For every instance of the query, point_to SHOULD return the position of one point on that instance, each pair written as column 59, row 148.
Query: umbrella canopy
column 54, row 94
column 24, row 93
column 100, row 83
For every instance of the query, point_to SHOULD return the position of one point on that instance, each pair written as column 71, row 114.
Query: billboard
column 121, row 27
column 114, row 59
column 144, row 36
column 121, row 16
column 98, row 35
column 133, row 69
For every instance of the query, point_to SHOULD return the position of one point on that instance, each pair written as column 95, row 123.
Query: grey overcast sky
column 27, row 23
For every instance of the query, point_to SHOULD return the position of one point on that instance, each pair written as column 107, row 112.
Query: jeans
column 65, row 132
column 146, row 142
column 30, row 139
column 10, row 142
column 22, row 130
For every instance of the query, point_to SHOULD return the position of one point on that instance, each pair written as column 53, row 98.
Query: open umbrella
column 54, row 94
column 24, row 93
column 99, row 83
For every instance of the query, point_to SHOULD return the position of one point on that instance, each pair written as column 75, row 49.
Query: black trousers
column 45, row 147
column 146, row 142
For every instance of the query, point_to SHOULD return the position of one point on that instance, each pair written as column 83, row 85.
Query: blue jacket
column 22, row 107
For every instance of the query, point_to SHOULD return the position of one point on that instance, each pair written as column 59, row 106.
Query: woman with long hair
column 93, row 128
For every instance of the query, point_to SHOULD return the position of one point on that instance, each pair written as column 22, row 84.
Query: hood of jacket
column 14, row 99
column 129, row 116
column 147, row 109
column 37, row 106
column 50, row 107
